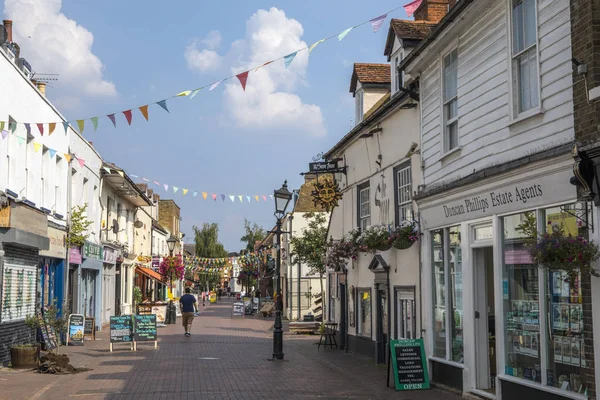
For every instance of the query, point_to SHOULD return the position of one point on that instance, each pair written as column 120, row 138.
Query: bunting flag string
column 376, row 23
column 244, row 259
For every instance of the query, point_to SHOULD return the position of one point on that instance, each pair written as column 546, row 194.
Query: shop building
column 52, row 268
column 94, row 301
column 376, row 297
column 497, row 126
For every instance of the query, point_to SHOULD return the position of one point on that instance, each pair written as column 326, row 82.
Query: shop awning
column 149, row 273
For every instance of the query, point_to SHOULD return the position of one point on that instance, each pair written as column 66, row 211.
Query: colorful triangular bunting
column 214, row 85
column 204, row 194
column 51, row 128
column 184, row 191
column 175, row 189
column 121, row 173
column 342, row 35
column 377, row 22
column 315, row 44
column 243, row 77
column 12, row 126
column 52, row 153
column 289, row 58
column 264, row 197
column 166, row 187
column 248, row 197
column 36, row 147
column 95, row 123
column 256, row 197
column 128, row 116
column 112, row 119
column 223, row 196
column 214, row 196
column 232, row 197
column 21, row 140
column 66, row 126
column 41, row 128
column 81, row 161
column 194, row 93
column 144, row 111
column 163, row 104
column 67, row 157
column 107, row 169
column 4, row 134
column 184, row 93
column 81, row 124
column 28, row 127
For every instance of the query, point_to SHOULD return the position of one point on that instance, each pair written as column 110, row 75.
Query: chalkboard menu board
column 121, row 329
column 145, row 328
column 89, row 328
column 410, row 365
column 76, row 324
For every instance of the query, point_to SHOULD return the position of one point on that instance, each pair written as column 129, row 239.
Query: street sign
column 410, row 364
column 323, row 166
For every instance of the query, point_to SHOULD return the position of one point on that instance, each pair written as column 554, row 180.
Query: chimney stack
column 432, row 11
column 41, row 87
column 8, row 25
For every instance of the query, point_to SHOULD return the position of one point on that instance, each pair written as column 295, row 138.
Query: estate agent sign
column 91, row 250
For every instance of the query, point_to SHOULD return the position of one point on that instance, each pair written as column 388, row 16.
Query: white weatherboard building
column 495, row 84
column 377, row 297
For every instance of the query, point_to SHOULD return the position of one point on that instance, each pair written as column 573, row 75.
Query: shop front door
column 485, row 341
column 382, row 324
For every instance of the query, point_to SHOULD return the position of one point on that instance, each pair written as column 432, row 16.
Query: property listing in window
column 448, row 310
column 520, row 295
column 566, row 353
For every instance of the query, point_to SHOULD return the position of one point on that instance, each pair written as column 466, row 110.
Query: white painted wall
column 399, row 130
column 32, row 175
column 487, row 132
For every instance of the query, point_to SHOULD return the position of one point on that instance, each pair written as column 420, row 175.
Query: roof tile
column 370, row 73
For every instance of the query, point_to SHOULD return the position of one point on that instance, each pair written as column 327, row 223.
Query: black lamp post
column 171, row 317
column 282, row 199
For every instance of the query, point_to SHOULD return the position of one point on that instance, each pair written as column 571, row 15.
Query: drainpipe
column 389, row 315
column 67, row 268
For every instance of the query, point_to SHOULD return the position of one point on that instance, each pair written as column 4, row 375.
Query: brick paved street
column 224, row 359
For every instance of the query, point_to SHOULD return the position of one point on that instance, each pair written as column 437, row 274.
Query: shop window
column 364, row 312
column 450, row 81
column 521, row 295
column 403, row 183
column 405, row 313
column 332, row 292
column 364, row 206
column 447, row 292
column 564, row 302
column 524, row 56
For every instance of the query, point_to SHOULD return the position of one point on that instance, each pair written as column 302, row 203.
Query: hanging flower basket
column 559, row 252
column 384, row 246
column 404, row 237
column 375, row 238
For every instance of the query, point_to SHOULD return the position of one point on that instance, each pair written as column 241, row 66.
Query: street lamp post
column 171, row 317
column 282, row 199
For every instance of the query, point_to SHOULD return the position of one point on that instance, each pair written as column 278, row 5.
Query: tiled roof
column 406, row 29
column 370, row 73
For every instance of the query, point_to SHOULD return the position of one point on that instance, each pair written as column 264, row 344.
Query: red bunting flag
column 128, row 116
column 243, row 77
column 144, row 110
column 41, row 128
column 411, row 7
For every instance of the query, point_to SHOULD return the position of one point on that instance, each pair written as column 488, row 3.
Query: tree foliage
column 254, row 233
column 207, row 241
column 79, row 226
column 310, row 247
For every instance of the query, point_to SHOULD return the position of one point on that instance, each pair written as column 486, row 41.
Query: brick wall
column 432, row 10
column 166, row 210
column 585, row 35
column 16, row 332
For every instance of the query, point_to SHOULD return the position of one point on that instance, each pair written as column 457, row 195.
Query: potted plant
column 556, row 251
column 376, row 237
column 404, row 236
column 27, row 355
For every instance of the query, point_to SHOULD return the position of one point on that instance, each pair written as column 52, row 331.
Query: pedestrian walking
column 187, row 305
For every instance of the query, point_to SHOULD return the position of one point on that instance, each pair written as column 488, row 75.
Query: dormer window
column 358, row 95
column 397, row 75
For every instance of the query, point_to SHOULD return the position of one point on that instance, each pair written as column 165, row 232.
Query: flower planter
column 384, row 247
column 25, row 356
column 402, row 243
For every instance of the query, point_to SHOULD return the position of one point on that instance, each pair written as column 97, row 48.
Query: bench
column 329, row 335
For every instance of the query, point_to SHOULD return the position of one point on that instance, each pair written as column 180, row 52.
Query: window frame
column 359, row 189
column 358, row 309
column 446, row 123
column 397, row 206
column 397, row 333
column 514, row 89
column 359, row 102
column 397, row 76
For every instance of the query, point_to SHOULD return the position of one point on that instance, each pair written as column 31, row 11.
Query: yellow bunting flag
column 37, row 147
column 184, row 93
column 1, row 126
column 185, row 191
column 241, row 197
column 121, row 173
column 256, row 197
column 144, row 110
column 81, row 124
column 67, row 157
column 204, row 194
column 51, row 126
column 315, row 44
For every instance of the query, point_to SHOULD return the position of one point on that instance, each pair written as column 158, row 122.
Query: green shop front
column 502, row 326
column 90, row 283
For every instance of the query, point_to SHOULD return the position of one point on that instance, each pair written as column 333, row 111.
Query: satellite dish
column 115, row 226
column 3, row 35
column 138, row 224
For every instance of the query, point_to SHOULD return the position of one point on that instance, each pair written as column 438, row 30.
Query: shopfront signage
column 76, row 330
column 91, row 250
column 525, row 194
column 75, row 255
column 410, row 364
column 155, row 261
column 323, row 166
column 48, row 333
column 238, row 309
column 89, row 328
column 57, row 247
column 145, row 328
column 121, row 329
column 110, row 255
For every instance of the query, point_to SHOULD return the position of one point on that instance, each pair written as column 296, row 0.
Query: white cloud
column 53, row 43
column 269, row 102
column 207, row 59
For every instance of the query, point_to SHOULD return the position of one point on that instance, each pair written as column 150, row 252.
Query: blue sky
column 222, row 141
